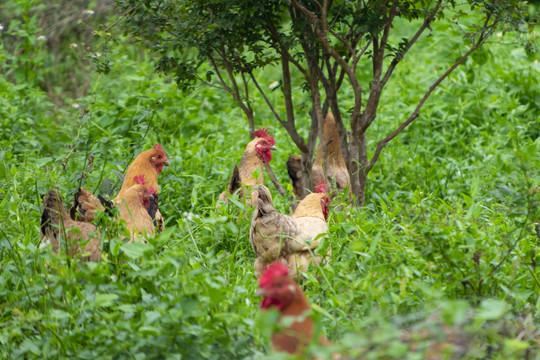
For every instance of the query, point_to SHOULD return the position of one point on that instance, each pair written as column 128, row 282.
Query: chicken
column 150, row 164
column 290, row 240
column 85, row 204
column 337, row 169
column 56, row 224
column 134, row 209
column 279, row 290
column 139, row 214
column 420, row 335
column 258, row 152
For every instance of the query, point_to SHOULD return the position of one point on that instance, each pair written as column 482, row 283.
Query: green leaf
column 492, row 309
column 136, row 249
column 105, row 300
column 319, row 309
column 44, row 161
column 455, row 312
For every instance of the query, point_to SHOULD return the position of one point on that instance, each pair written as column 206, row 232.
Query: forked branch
column 381, row 144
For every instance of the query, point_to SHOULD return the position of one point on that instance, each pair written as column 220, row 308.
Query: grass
column 447, row 236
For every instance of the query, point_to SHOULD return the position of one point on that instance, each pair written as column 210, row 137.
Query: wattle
column 159, row 167
column 269, row 302
column 267, row 156
column 325, row 210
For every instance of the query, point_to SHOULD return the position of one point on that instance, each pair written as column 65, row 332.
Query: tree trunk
column 362, row 175
column 356, row 170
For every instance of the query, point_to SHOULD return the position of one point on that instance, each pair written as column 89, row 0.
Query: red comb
column 274, row 270
column 157, row 146
column 139, row 179
column 151, row 190
column 262, row 132
column 320, row 187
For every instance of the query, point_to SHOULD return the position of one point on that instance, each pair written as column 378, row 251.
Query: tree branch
column 289, row 126
column 322, row 36
column 381, row 144
column 375, row 91
column 234, row 92
column 122, row 17
column 427, row 20
column 274, row 180
column 282, row 49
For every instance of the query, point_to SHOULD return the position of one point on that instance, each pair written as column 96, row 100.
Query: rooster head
column 264, row 145
column 276, row 287
column 320, row 188
column 145, row 194
column 137, row 192
column 158, row 158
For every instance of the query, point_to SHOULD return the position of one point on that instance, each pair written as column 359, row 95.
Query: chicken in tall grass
column 258, row 152
column 282, row 292
column 148, row 164
column 291, row 240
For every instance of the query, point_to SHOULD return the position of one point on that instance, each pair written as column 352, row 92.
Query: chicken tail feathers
column 85, row 205
column 262, row 200
column 108, row 205
column 53, row 209
column 235, row 183
column 294, row 167
column 153, row 208
column 45, row 223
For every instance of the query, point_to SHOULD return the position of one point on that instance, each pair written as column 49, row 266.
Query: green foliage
column 331, row 50
column 448, row 237
column 242, row 34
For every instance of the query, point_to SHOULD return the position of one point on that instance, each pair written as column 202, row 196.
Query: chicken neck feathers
column 140, row 166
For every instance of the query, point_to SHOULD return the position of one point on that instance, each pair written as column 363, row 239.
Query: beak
column 273, row 148
column 261, row 292
column 166, row 163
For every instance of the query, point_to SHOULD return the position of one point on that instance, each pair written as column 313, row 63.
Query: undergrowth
column 448, row 235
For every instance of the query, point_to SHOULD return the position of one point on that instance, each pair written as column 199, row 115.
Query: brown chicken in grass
column 337, row 169
column 290, row 240
column 86, row 205
column 430, row 337
column 280, row 291
column 56, row 224
column 134, row 209
column 136, row 206
column 258, row 152
column 149, row 164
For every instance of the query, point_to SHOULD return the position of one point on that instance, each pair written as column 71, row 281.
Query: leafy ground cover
column 446, row 242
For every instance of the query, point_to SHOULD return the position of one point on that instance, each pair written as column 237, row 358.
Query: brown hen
column 258, row 152
column 56, row 225
column 280, row 291
column 147, row 164
column 290, row 240
column 337, row 169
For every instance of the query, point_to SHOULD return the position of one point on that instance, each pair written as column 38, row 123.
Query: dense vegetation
column 448, row 234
